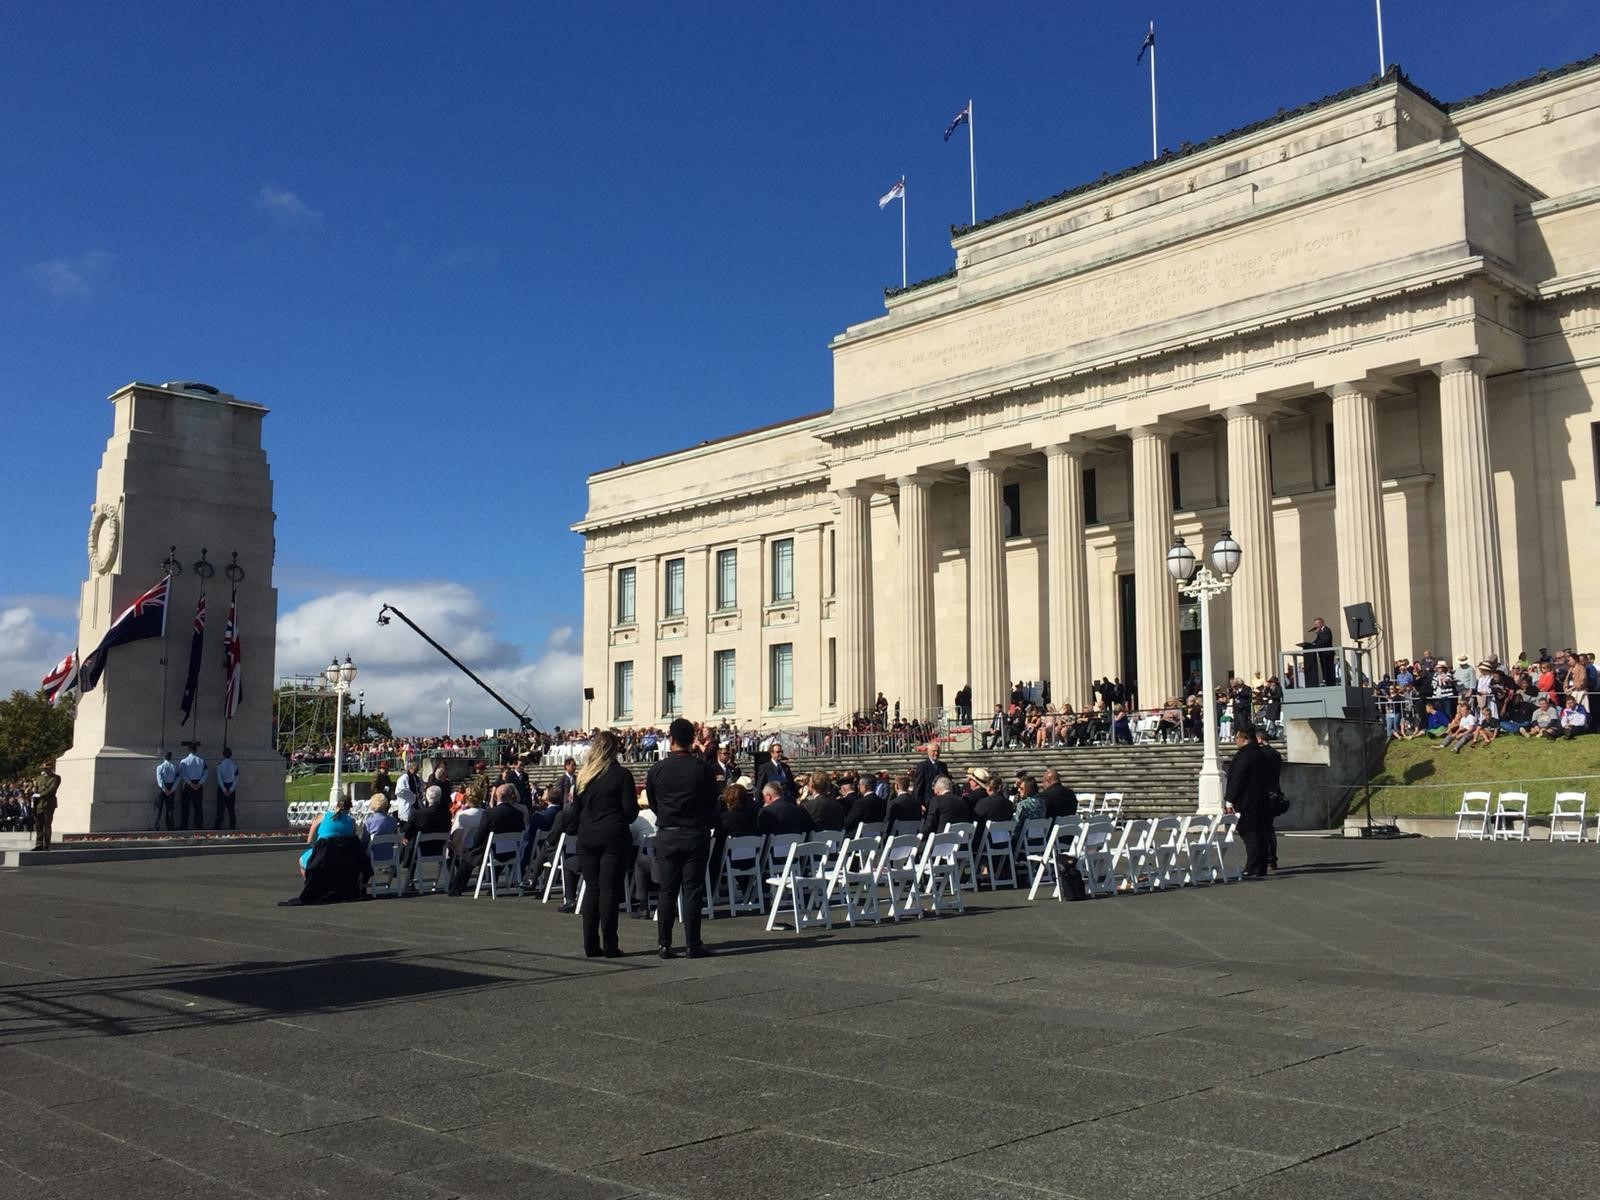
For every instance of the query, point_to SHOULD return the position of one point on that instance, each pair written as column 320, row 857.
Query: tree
column 32, row 731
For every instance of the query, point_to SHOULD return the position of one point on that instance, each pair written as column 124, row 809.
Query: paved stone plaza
column 1410, row 1019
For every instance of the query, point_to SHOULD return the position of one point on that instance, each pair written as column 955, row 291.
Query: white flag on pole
column 897, row 192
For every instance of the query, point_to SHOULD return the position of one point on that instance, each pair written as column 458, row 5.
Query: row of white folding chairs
column 1146, row 854
column 870, row 878
column 567, row 848
column 1508, row 821
column 1108, row 805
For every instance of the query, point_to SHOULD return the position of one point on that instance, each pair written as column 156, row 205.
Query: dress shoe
column 568, row 908
column 614, row 952
column 701, row 951
column 587, row 953
column 668, row 952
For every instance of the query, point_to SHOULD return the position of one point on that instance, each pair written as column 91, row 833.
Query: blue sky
column 472, row 252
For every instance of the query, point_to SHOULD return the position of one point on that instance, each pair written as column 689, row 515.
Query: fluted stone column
column 916, row 574
column 1068, row 574
column 1358, row 511
column 1471, row 515
column 857, row 688
column 1257, row 638
column 1156, row 595
column 989, row 640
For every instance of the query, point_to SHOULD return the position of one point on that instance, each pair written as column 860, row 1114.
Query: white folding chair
column 429, row 855
column 1130, row 861
column 805, row 882
column 1162, row 851
column 1226, row 852
column 1087, row 806
column 1144, row 730
column 1096, row 857
column 1568, row 815
column 870, row 829
column 1111, row 805
column 1472, row 818
column 997, row 854
column 1030, row 840
column 743, row 886
column 940, row 867
column 499, row 866
column 775, row 852
column 853, row 884
column 1062, row 847
column 896, row 871
column 1043, row 864
column 1194, row 860
column 566, row 847
column 383, row 849
column 1511, row 816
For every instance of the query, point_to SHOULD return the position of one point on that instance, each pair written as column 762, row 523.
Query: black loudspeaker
column 588, row 693
column 1360, row 621
column 671, row 687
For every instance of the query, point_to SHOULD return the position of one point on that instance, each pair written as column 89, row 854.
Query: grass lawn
column 315, row 787
column 1418, row 779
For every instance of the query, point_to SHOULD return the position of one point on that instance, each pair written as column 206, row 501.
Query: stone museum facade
column 1364, row 336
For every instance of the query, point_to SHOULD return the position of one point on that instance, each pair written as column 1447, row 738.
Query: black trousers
column 603, row 869
column 191, row 801
column 164, row 809
column 1257, row 849
column 681, row 869
column 225, row 804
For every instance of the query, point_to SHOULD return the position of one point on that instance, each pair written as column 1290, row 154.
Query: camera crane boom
column 526, row 725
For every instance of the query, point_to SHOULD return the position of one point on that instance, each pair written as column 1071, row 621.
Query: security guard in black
column 683, row 797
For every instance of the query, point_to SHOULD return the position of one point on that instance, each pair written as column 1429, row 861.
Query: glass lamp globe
column 1225, row 555
column 1181, row 561
column 348, row 671
column 331, row 673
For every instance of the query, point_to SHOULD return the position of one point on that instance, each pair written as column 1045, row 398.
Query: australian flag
column 146, row 617
column 191, row 683
column 1149, row 43
column 960, row 119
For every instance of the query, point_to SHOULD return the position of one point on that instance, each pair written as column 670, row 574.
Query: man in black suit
column 1272, row 764
column 1319, row 667
column 902, row 813
column 928, row 770
column 864, row 805
column 775, row 770
column 1059, row 799
column 945, row 807
column 780, row 814
column 684, row 800
column 989, row 806
column 1247, row 793
column 504, row 817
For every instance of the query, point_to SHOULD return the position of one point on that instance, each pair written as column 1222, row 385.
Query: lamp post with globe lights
column 1203, row 583
column 339, row 677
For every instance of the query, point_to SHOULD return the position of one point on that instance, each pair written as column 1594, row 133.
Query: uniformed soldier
column 227, row 789
column 192, row 774
column 44, row 805
column 166, row 791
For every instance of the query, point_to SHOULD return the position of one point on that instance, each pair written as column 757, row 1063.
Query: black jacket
column 825, row 811
column 784, row 816
column 1059, row 800
column 1248, row 777
column 864, row 806
column 922, row 780
column 604, row 811
column 902, row 810
column 682, row 794
column 946, row 809
column 502, row 818
column 780, row 773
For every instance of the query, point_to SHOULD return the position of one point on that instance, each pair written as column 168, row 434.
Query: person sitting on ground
column 1485, row 731
column 1059, row 800
column 336, row 822
column 946, row 807
column 1574, row 718
column 821, row 804
column 903, row 810
column 1459, row 733
column 779, row 814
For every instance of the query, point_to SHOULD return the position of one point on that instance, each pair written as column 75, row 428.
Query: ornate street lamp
column 339, row 678
column 1196, row 579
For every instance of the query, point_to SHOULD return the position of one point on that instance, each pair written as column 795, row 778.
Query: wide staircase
column 1154, row 780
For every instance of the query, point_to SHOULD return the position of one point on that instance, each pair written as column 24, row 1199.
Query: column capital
column 916, row 479
column 1151, row 431
column 994, row 463
column 1455, row 366
column 1073, row 449
column 1261, row 410
column 863, row 491
column 1370, row 388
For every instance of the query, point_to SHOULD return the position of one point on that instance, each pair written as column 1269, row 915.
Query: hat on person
column 981, row 774
column 1463, row 660
column 745, row 782
column 1486, row 665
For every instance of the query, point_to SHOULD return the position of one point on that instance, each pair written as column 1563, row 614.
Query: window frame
column 777, row 702
column 720, row 702
column 668, row 574
column 727, row 601
column 619, row 671
column 630, row 614
column 781, row 597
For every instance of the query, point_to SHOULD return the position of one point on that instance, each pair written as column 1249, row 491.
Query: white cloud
column 409, row 680
column 70, row 278
column 286, row 207
column 29, row 649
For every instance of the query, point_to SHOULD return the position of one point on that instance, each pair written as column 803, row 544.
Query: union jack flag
column 61, row 679
column 230, row 660
column 191, row 682
column 146, row 617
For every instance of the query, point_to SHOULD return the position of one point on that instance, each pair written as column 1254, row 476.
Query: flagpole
column 972, row 167
column 1154, row 151
column 902, row 231
column 166, row 632
column 1383, row 64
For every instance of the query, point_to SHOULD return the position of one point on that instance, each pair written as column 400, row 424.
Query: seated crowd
column 1464, row 704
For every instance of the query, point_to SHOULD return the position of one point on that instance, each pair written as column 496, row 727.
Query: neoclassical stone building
column 1364, row 336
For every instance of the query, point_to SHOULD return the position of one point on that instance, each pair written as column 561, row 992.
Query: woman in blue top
column 336, row 822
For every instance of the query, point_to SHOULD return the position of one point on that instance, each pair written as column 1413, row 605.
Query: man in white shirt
column 166, row 790
column 407, row 794
column 227, row 789
column 192, row 777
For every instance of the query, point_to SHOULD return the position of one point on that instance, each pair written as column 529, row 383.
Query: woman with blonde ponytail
column 607, row 806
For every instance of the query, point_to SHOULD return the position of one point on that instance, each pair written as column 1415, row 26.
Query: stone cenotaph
column 183, row 489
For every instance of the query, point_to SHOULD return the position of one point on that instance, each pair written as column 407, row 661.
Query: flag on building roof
column 230, row 660
column 956, row 122
column 197, row 645
column 897, row 192
column 1149, row 43
column 61, row 679
column 146, row 617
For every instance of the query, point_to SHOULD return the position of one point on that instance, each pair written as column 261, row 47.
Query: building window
column 627, row 579
column 1011, row 498
column 782, row 570
column 1594, row 435
column 1091, row 499
column 622, row 690
column 722, row 672
column 1328, row 444
column 672, row 592
column 672, row 685
column 782, row 674
column 833, row 564
column 1272, row 469
column 833, row 672
column 1177, row 479
column 727, row 579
